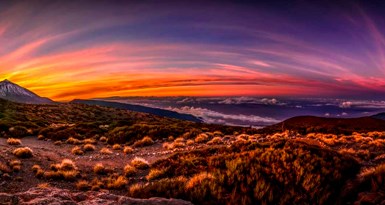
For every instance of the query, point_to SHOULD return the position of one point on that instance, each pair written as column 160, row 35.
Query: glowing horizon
column 115, row 48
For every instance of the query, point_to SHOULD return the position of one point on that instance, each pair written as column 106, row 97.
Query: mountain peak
column 13, row 92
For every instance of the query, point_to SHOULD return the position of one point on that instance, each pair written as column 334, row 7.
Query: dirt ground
column 46, row 153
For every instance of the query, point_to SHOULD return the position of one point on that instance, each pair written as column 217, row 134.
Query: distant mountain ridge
column 309, row 124
column 380, row 116
column 13, row 92
column 140, row 108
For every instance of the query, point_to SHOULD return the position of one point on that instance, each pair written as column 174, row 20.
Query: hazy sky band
column 84, row 49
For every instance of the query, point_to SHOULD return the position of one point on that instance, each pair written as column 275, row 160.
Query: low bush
column 24, row 152
column 13, row 141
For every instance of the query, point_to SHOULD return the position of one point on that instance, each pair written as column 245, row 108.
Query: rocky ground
column 40, row 196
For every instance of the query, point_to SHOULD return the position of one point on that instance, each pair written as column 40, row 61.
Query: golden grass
column 35, row 168
column 105, row 150
column 89, row 147
column 117, row 183
column 4, row 168
column 89, row 141
column 190, row 142
column 146, row 141
column 215, row 141
column 66, row 170
column 15, row 165
column 128, row 150
column 197, row 179
column 129, row 170
column 202, row 138
column 103, row 139
column 155, row 174
column 44, row 185
column 73, row 141
column 140, row 163
column 13, row 141
column 99, row 168
column 77, row 151
column 58, row 143
column 82, row 185
column 116, row 147
column 24, row 152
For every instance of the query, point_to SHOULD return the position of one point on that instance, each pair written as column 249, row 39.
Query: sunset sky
column 87, row 49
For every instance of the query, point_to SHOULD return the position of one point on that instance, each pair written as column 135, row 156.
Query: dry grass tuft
column 73, row 141
column 116, row 147
column 215, row 140
column 77, row 151
column 4, row 168
column 197, row 180
column 128, row 150
column 202, row 138
column 117, row 182
column 58, row 143
column 24, row 152
column 89, row 147
column 103, row 139
column 129, row 170
column 146, row 141
column 13, row 141
column 105, row 150
column 99, row 169
column 82, row 185
column 190, row 142
column 140, row 163
column 89, row 141
column 15, row 165
column 155, row 174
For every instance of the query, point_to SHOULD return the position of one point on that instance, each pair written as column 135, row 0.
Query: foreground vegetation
column 204, row 164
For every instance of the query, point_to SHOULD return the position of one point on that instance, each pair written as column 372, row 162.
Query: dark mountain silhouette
column 139, row 108
column 308, row 124
column 13, row 92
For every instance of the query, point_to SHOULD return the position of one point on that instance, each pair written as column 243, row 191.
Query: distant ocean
column 255, row 111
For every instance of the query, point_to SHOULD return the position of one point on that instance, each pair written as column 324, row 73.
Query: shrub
column 146, row 141
column 4, row 168
column 89, row 141
column 13, row 141
column 40, row 137
column 15, row 165
column 201, row 138
column 24, row 152
column 105, row 151
column 116, row 147
column 66, row 170
column 155, row 174
column 140, row 163
column 117, row 183
column 73, row 141
column 128, row 150
column 215, row 140
column 82, row 185
column 67, row 164
column 103, row 139
column 89, row 147
column 77, row 151
column 99, row 168
column 129, row 170
column 35, row 168
column 58, row 143
column 190, row 142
